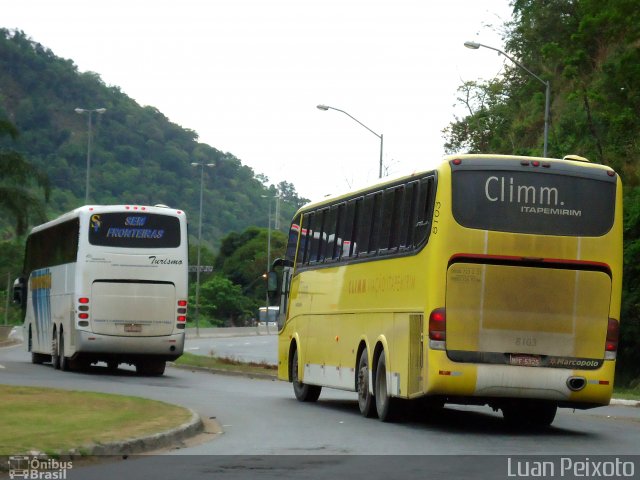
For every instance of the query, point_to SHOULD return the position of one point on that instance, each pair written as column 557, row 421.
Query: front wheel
column 302, row 391
column 386, row 406
column 366, row 401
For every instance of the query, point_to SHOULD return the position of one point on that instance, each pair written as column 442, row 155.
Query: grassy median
column 226, row 364
column 52, row 421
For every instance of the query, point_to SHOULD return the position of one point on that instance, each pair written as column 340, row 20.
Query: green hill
column 137, row 157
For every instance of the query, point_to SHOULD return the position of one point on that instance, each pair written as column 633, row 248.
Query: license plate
column 525, row 360
column 133, row 328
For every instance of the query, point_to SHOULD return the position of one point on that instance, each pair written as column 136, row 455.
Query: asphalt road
column 249, row 348
column 268, row 434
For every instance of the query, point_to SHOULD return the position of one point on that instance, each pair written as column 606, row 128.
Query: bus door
column 279, row 290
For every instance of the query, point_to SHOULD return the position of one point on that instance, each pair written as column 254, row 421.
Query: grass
column 626, row 393
column 228, row 364
column 52, row 421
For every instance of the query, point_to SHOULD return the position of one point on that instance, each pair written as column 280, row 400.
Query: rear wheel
column 366, row 401
column 302, row 391
column 112, row 366
column 386, row 406
column 151, row 367
column 55, row 352
column 36, row 358
column 64, row 361
column 529, row 414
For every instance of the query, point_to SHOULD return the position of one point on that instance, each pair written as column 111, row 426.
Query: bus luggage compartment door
column 515, row 313
column 133, row 309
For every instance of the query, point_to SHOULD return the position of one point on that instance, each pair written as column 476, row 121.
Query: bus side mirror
column 281, row 262
column 19, row 291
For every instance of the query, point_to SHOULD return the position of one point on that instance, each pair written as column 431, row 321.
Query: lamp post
column 201, row 165
column 99, row 111
column 268, row 258
column 475, row 46
column 326, row 107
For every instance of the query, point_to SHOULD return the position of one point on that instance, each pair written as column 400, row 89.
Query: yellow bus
column 490, row 280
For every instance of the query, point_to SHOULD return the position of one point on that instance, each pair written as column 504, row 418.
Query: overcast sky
column 246, row 75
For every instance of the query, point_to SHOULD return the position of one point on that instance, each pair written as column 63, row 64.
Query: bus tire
column 77, row 364
column 529, row 414
column 543, row 415
column 386, row 406
column 303, row 392
column 64, row 361
column 366, row 401
column 55, row 352
column 153, row 368
column 36, row 358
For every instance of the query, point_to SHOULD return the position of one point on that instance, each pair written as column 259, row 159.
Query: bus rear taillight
column 438, row 329
column 611, row 343
column 83, row 311
column 182, row 313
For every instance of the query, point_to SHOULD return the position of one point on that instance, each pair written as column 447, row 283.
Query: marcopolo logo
column 38, row 468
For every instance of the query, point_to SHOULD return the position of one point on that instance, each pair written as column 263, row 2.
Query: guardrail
column 5, row 330
column 232, row 331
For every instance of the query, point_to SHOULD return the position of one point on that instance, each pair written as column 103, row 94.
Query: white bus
column 268, row 316
column 106, row 283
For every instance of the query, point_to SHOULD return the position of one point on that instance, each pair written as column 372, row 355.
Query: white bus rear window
column 134, row 230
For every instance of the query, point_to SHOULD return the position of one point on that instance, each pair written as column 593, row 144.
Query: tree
column 476, row 132
column 222, row 300
column 243, row 259
column 17, row 179
column 630, row 324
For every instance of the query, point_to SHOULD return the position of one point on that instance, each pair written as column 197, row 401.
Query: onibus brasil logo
column 38, row 468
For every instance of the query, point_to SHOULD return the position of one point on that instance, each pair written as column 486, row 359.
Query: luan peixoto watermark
column 571, row 467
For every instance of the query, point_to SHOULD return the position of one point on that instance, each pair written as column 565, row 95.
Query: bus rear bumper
column 488, row 383
column 168, row 347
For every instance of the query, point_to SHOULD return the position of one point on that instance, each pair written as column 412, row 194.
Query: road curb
column 168, row 438
column 624, row 403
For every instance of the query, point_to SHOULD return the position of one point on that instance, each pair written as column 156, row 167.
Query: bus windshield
column 134, row 230
column 535, row 202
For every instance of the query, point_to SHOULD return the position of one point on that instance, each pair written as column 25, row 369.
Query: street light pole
column 380, row 136
column 99, row 111
column 201, row 165
column 268, row 258
column 268, row 261
column 476, row 45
